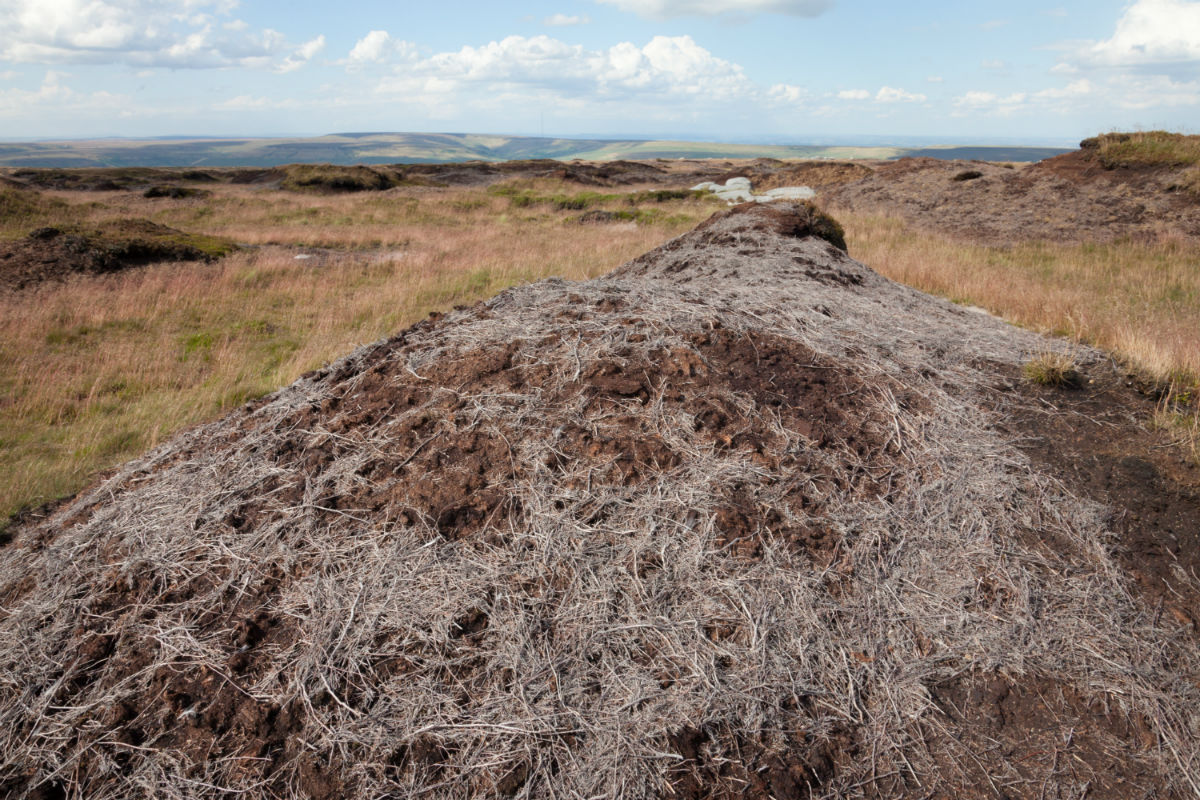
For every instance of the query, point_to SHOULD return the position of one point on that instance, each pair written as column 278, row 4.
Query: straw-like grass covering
column 730, row 521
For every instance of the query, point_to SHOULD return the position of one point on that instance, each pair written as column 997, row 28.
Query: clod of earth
column 738, row 519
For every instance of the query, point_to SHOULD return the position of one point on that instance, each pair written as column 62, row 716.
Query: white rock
column 735, row 195
column 707, row 186
column 738, row 183
column 791, row 193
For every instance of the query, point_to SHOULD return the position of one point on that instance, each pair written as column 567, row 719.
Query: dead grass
column 95, row 371
column 1140, row 300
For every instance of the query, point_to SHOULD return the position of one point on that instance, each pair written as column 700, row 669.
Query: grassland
column 96, row 370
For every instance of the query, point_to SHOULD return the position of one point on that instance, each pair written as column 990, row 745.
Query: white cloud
column 1073, row 90
column 663, row 9
column 247, row 102
column 787, row 94
column 1151, row 91
column 887, row 94
column 9, row 75
column 302, row 55
column 53, row 94
column 563, row 21
column 935, row 79
column 993, row 63
column 975, row 102
column 1152, row 60
column 144, row 33
column 658, row 79
column 854, row 94
column 993, row 24
column 372, row 47
column 671, row 65
column 379, row 47
column 1150, row 32
column 1120, row 91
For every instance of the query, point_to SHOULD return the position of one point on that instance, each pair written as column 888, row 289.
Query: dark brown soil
column 1032, row 739
column 1071, row 197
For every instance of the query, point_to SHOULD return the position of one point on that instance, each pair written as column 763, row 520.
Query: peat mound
column 1067, row 197
column 50, row 253
column 739, row 519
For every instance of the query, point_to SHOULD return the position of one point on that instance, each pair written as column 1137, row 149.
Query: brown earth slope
column 1068, row 197
column 740, row 519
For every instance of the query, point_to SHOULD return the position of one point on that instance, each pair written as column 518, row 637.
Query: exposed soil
column 1097, row 439
column 53, row 254
column 1071, row 197
column 741, row 519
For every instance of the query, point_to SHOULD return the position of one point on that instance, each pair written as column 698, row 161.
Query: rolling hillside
column 423, row 148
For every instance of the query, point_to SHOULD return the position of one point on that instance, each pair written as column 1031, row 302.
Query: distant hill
column 432, row 148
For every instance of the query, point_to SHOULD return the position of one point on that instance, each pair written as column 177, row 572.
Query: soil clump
column 740, row 519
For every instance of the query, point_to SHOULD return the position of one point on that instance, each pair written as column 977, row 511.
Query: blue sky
column 742, row 70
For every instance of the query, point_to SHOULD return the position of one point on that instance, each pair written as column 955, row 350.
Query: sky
column 788, row 71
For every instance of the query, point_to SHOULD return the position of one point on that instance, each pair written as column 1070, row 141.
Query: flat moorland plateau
column 581, row 482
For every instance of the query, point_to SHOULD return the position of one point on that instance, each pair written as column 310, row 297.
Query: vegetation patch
column 330, row 178
column 106, row 179
column 1053, row 369
column 175, row 192
column 50, row 253
column 140, row 241
column 1190, row 181
column 20, row 205
column 1144, row 149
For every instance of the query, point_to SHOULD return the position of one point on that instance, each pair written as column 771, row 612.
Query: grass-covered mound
column 736, row 520
column 50, row 252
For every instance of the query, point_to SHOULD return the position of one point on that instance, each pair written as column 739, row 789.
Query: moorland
column 731, row 515
column 259, row 275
